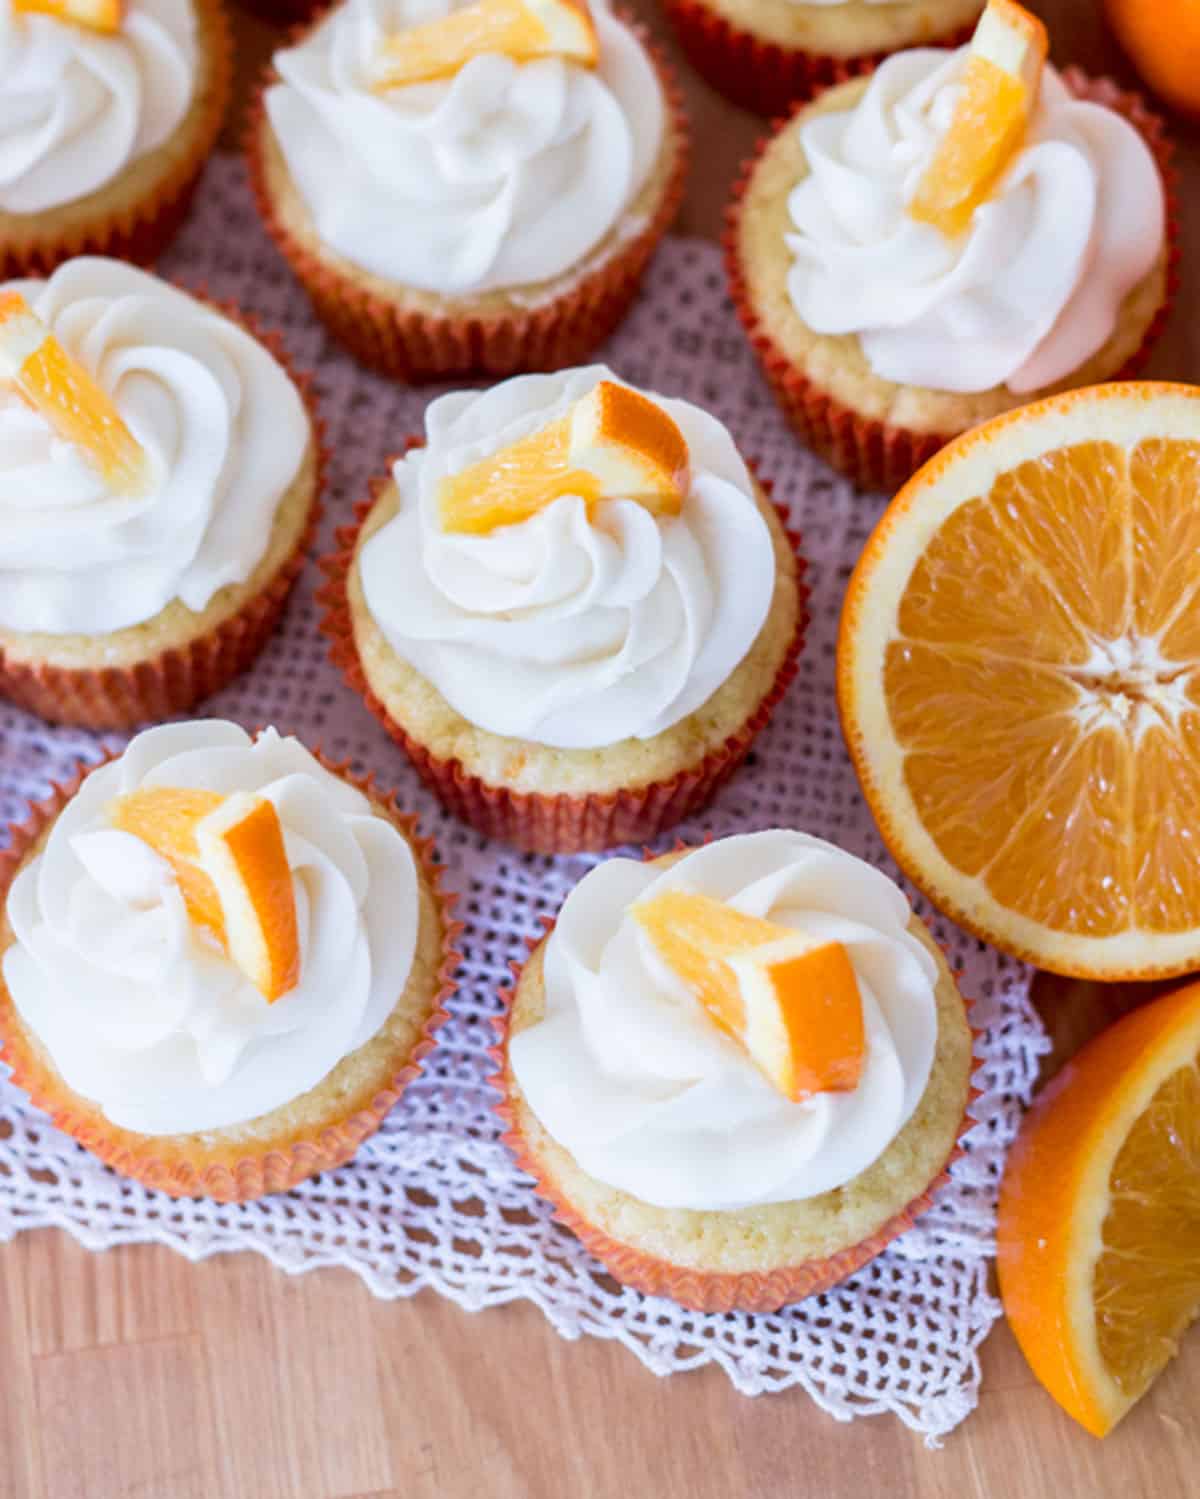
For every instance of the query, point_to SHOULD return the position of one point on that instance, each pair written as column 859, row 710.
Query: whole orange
column 1162, row 38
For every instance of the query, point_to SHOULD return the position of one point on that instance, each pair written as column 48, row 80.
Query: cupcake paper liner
column 141, row 231
column 560, row 823
column 763, row 76
column 415, row 346
column 879, row 455
column 122, row 697
column 699, row 1290
column 222, row 1173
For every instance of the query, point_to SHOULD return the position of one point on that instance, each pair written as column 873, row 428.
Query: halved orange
column 613, row 442
column 58, row 387
column 95, row 15
column 997, row 95
column 790, row 1000
column 1019, row 680
column 227, row 854
column 1099, row 1223
column 520, row 29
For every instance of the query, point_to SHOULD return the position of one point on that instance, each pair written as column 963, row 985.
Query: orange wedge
column 228, row 857
column 998, row 95
column 613, row 443
column 1099, row 1223
column 520, row 29
column 96, row 15
column 1019, row 680
column 792, row 1001
column 62, row 391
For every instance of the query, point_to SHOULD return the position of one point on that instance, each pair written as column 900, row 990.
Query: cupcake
column 583, row 661
column 130, row 591
column 134, row 1009
column 738, row 1071
column 886, row 328
column 108, row 112
column 768, row 54
column 494, row 217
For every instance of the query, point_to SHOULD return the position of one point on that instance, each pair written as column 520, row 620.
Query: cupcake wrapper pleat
column 416, row 346
column 192, row 1165
column 879, row 455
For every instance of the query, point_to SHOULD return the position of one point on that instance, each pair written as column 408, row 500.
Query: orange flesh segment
column 613, row 443
column 61, row 391
column 520, row 29
column 96, row 15
column 229, row 860
column 998, row 94
column 791, row 1001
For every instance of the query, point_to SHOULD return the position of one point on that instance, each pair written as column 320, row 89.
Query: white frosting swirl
column 138, row 1008
column 627, row 1072
column 505, row 175
column 77, row 106
column 568, row 629
column 1028, row 293
column 223, row 426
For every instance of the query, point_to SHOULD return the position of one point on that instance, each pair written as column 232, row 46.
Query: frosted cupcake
column 575, row 648
column 176, row 470
column 767, row 54
column 221, row 960
column 458, row 196
column 108, row 112
column 738, row 1072
column 884, row 333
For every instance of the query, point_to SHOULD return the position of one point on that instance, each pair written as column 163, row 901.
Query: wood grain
column 134, row 1373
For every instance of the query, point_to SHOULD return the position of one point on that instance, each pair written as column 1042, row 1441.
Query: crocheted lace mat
column 903, row 1334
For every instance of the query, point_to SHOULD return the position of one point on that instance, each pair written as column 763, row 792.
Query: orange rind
column 613, row 443
column 1098, row 1236
column 789, row 1000
column 998, row 94
column 95, row 15
column 520, row 29
column 61, row 391
column 228, row 857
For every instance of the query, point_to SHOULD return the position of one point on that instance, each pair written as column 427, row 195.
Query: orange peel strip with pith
column 520, row 29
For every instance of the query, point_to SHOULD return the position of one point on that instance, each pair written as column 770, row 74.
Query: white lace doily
column 903, row 1334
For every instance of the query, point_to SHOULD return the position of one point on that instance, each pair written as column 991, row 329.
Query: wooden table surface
column 134, row 1373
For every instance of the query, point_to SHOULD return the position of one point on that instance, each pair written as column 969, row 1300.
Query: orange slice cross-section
column 790, row 1000
column 998, row 94
column 227, row 854
column 96, row 15
column 1098, row 1242
column 613, row 443
column 520, row 29
column 1019, row 680
column 64, row 393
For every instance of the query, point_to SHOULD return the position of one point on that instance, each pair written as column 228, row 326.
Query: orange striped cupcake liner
column 700, row 1290
column 762, row 76
column 561, row 823
column 415, row 346
column 174, row 681
column 140, row 232
column 880, row 455
column 183, row 1165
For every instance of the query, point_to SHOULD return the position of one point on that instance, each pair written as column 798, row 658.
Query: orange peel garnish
column 60, row 390
column 998, row 96
column 792, row 1001
column 96, row 15
column 228, row 857
column 613, row 443
column 520, row 29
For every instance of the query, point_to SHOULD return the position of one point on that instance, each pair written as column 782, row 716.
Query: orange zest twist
column 520, row 29
column 791, row 1001
column 61, row 391
column 614, row 442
